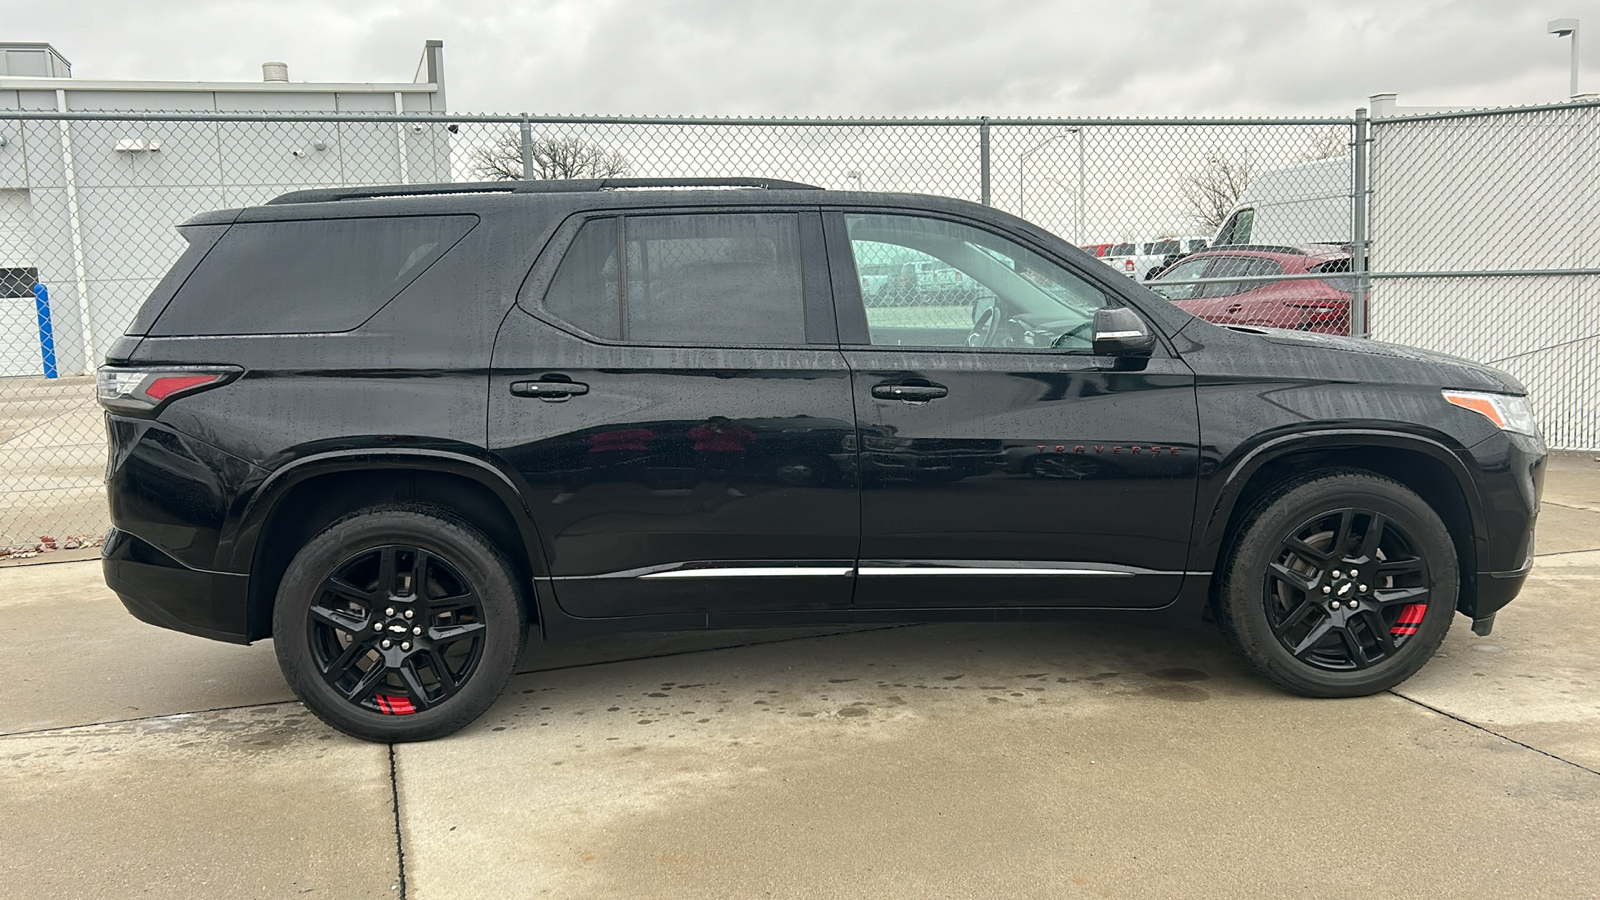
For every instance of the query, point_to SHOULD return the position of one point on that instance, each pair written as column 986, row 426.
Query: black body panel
column 1033, row 458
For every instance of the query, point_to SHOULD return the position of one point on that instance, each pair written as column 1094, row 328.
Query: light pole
column 1022, row 175
column 1562, row 28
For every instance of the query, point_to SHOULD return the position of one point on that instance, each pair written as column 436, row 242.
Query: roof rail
column 554, row 186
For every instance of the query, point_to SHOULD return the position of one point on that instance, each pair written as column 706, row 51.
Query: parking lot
column 924, row 761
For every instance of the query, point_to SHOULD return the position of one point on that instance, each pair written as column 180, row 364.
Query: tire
column 454, row 634
column 1404, row 583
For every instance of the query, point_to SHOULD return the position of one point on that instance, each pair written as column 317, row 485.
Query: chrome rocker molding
column 875, row 568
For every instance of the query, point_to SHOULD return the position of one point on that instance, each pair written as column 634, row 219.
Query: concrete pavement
column 927, row 761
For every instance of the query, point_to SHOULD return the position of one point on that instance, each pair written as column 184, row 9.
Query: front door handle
column 1235, row 307
column 911, row 393
column 548, row 390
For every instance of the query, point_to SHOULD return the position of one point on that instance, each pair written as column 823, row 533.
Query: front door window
column 934, row 283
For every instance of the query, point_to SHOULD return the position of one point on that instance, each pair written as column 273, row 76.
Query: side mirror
column 1121, row 332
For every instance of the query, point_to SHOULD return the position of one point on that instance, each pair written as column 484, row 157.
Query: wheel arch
column 1426, row 466
column 299, row 500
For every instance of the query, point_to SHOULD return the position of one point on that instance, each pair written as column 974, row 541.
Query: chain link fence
column 1486, row 244
column 88, row 202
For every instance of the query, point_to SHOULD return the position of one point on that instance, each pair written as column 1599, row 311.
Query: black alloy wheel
column 1347, row 590
column 396, row 629
column 1341, row 583
column 398, row 624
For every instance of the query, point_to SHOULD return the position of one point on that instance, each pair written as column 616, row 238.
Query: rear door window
column 299, row 277
column 719, row 279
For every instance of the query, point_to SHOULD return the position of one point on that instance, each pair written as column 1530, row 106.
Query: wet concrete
column 262, row 802
column 924, row 761
column 967, row 761
column 70, row 654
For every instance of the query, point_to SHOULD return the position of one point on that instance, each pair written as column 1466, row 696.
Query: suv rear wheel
column 1342, row 583
column 398, row 623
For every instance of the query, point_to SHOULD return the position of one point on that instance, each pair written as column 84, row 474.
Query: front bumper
column 1510, row 481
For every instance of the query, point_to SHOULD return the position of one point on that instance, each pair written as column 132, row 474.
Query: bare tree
column 1326, row 143
column 1214, row 190
column 553, row 157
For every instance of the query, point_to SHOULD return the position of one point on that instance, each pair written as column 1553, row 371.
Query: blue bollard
column 47, row 338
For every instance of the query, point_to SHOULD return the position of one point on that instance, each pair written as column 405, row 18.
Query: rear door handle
column 1235, row 307
column 548, row 390
column 911, row 393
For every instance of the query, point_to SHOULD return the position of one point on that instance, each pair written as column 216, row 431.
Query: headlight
column 1508, row 412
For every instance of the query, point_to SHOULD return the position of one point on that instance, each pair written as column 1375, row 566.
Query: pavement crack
column 1508, row 739
column 150, row 718
column 1564, row 552
column 399, row 839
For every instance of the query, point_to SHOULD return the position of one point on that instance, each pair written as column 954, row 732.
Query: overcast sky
column 852, row 57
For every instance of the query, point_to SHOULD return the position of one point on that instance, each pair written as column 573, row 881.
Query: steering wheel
column 983, row 330
column 1077, row 331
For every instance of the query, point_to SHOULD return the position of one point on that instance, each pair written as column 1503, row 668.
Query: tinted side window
column 201, row 239
column 585, row 289
column 313, row 276
column 714, row 279
column 1232, row 266
column 1237, row 229
column 1184, row 271
column 1263, row 266
column 1162, row 248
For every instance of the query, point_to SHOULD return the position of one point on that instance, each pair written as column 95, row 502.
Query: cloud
column 832, row 57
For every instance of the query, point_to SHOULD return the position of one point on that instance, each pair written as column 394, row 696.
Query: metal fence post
column 80, row 266
column 983, row 161
column 527, row 149
column 1358, row 235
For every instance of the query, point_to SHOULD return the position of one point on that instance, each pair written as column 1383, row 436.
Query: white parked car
column 1142, row 260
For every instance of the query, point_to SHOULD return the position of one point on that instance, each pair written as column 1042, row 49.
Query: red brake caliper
column 1410, row 618
column 401, row 706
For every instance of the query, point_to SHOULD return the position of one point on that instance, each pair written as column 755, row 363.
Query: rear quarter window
column 306, row 276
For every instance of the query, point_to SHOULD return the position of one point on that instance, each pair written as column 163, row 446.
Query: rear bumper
column 162, row 591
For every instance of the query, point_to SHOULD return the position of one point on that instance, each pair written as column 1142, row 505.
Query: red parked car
column 1314, row 304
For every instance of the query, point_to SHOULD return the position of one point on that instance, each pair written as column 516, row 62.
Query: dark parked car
column 391, row 428
column 1304, row 303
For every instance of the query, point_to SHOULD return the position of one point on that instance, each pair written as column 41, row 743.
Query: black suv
column 392, row 427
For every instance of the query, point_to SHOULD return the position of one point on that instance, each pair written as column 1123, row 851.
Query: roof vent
column 274, row 71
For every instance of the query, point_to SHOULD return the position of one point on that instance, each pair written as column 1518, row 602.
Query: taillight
column 1127, row 265
column 143, row 391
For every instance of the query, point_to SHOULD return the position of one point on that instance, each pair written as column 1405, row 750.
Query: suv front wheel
column 1342, row 583
column 398, row 623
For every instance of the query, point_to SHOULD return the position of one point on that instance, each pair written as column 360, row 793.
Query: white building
column 87, row 206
